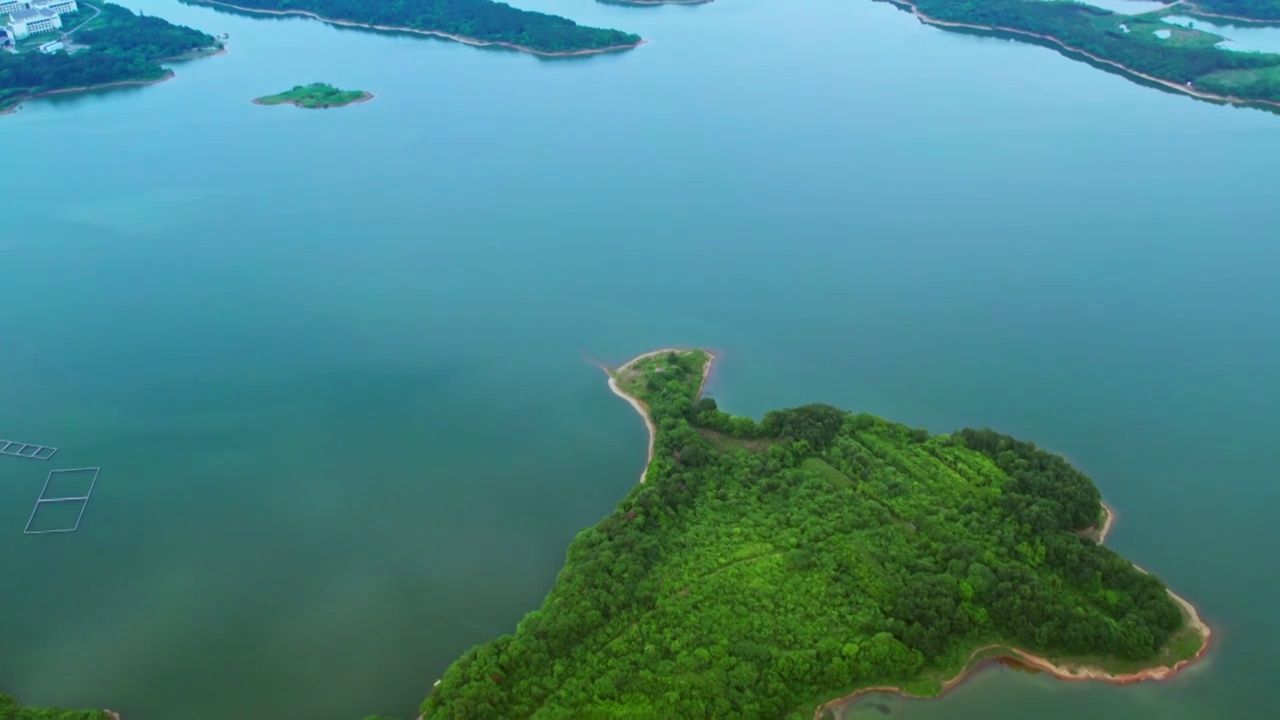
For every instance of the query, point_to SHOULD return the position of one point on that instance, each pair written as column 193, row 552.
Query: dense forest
column 11, row 710
column 479, row 19
column 122, row 47
column 1252, row 9
column 765, row 567
column 1187, row 56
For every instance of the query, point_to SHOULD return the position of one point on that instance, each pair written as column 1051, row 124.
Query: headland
column 818, row 554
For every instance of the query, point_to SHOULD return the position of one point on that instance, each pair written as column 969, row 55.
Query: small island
column 778, row 568
column 316, row 96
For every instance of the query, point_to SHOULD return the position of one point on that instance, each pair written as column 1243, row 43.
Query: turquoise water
column 334, row 364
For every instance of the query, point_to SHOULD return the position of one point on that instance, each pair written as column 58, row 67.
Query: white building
column 25, row 23
column 62, row 7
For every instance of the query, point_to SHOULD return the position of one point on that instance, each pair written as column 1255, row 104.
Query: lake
column 334, row 365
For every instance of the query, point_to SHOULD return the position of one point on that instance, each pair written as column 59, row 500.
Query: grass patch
column 720, row 441
column 819, row 467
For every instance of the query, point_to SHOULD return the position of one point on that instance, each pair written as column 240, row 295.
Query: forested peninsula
column 772, row 569
column 475, row 22
column 122, row 49
column 1185, row 59
column 11, row 710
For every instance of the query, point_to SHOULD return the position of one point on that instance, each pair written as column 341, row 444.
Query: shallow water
column 1241, row 38
column 333, row 363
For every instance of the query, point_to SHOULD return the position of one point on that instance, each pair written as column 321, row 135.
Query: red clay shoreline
column 476, row 42
column 1065, row 671
column 1212, row 97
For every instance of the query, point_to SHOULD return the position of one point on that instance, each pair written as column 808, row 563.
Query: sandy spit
column 448, row 36
column 1180, row 87
column 639, row 406
column 1064, row 671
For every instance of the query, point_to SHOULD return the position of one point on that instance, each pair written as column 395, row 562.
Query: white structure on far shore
column 28, row 17
column 62, row 7
column 24, row 23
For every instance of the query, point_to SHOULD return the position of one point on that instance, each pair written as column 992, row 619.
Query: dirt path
column 436, row 33
column 1065, row 671
column 640, row 406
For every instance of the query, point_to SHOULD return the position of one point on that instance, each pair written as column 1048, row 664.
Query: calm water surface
column 333, row 364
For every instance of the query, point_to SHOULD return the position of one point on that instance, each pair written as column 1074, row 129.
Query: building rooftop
column 28, row 15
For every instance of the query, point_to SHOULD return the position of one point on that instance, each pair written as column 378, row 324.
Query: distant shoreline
column 1065, row 671
column 1193, row 9
column 476, row 42
column 1214, row 97
column 210, row 51
column 364, row 97
column 84, row 88
column 640, row 406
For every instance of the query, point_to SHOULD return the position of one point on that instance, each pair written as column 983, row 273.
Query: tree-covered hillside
column 122, row 47
column 478, row 19
column 763, row 568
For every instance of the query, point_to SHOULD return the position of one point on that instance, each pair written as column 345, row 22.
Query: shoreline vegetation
column 316, row 96
column 17, row 101
column 11, row 710
column 495, row 24
column 1064, row 671
column 124, row 49
column 1198, row 68
column 880, row 558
